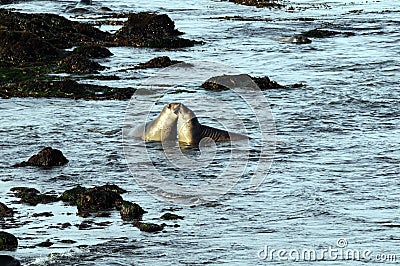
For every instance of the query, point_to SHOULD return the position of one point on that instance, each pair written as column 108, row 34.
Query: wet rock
column 47, row 157
column 5, row 211
column 150, row 30
column 57, row 30
column 67, row 241
column 97, row 199
column 20, row 191
column 112, row 188
column 71, row 195
column 8, row 241
column 6, row 260
column 171, row 216
column 264, row 83
column 244, row 81
column 43, row 214
column 32, row 196
column 17, row 47
column 260, row 3
column 157, row 62
column 149, row 227
column 64, row 89
column 317, row 33
column 45, row 244
column 296, row 39
column 131, row 211
column 92, row 51
column 76, row 63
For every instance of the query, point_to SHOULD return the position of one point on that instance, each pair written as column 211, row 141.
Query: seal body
column 190, row 131
column 163, row 128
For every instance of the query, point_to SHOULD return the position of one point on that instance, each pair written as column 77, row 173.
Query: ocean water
column 327, row 175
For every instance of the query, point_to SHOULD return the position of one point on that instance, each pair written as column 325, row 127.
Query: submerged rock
column 97, row 199
column 77, row 63
column 259, row 3
column 244, row 81
column 8, row 241
column 171, row 216
column 131, row 211
column 71, row 195
column 47, row 157
column 317, row 33
column 150, row 30
column 149, row 227
column 32, row 196
column 92, row 51
column 64, row 89
column 6, row 260
column 296, row 39
column 5, row 211
column 157, row 62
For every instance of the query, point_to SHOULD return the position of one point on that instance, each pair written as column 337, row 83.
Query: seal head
column 163, row 128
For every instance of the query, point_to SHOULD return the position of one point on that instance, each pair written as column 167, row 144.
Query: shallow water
column 335, row 169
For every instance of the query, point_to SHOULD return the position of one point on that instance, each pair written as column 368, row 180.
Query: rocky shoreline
column 34, row 45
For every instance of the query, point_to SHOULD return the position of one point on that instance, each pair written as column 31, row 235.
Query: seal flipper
column 219, row 134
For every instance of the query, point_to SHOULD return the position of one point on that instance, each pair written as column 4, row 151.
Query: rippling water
column 337, row 160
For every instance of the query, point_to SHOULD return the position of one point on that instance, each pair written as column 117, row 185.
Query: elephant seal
column 190, row 131
column 297, row 39
column 163, row 128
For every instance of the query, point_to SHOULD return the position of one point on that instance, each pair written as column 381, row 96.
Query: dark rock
column 6, row 260
column 32, row 196
column 97, row 199
column 157, row 62
column 244, row 81
column 170, row 216
column 92, row 51
column 20, row 191
column 259, row 3
column 264, row 83
column 17, row 47
column 43, row 214
column 71, row 195
column 54, row 29
column 64, row 89
column 150, row 30
column 45, row 244
column 76, row 63
column 131, row 211
column 47, row 157
column 317, row 33
column 149, row 227
column 5, row 211
column 112, row 188
column 67, row 241
column 8, row 241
